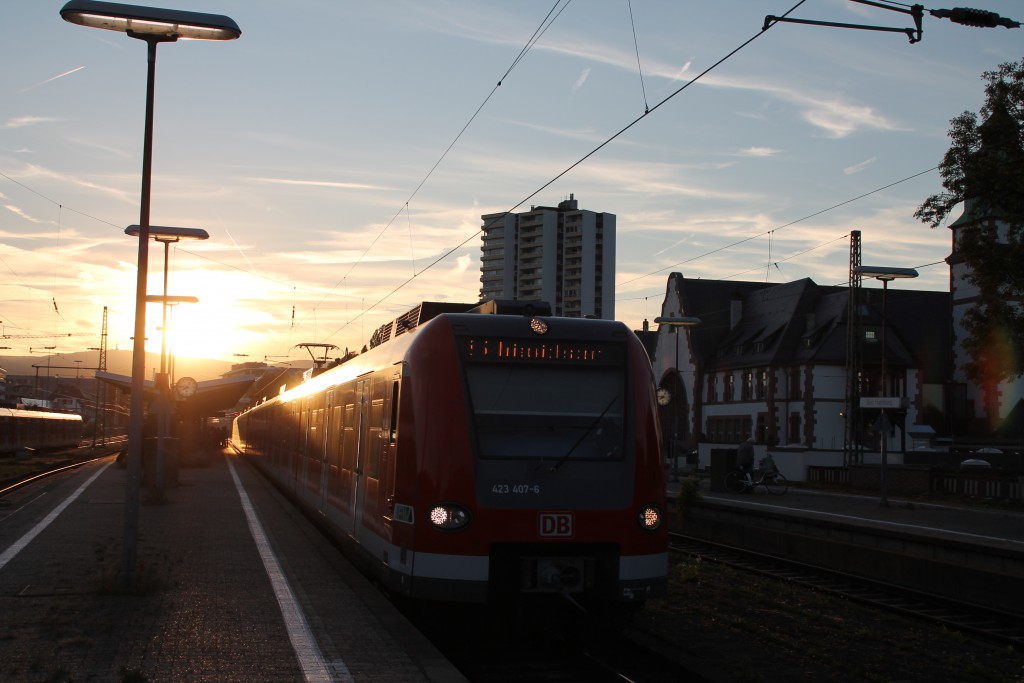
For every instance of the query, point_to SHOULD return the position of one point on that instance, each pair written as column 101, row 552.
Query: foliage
column 984, row 167
column 689, row 493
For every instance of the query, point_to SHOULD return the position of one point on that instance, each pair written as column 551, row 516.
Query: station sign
column 885, row 402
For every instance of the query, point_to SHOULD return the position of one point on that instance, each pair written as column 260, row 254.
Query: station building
column 769, row 361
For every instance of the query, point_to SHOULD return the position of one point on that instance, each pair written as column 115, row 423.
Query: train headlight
column 649, row 518
column 449, row 517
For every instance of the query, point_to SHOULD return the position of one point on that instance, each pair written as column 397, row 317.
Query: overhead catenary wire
column 572, row 166
column 636, row 46
column 786, row 225
column 537, row 33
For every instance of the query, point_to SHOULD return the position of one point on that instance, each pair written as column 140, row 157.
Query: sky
column 340, row 155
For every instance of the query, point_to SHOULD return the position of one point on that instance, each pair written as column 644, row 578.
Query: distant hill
column 118, row 362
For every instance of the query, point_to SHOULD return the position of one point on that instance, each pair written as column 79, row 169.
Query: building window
column 728, row 429
column 748, row 385
column 730, row 387
column 712, row 389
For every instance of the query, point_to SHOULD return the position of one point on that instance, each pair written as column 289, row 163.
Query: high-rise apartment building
column 563, row 255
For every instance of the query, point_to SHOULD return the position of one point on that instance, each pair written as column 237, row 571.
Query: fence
column 994, row 485
column 828, row 476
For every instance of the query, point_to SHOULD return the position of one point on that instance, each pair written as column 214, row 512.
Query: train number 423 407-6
column 520, row 489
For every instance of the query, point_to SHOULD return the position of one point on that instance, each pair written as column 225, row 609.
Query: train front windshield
column 551, row 401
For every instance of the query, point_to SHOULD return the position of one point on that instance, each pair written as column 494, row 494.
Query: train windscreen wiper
column 585, row 434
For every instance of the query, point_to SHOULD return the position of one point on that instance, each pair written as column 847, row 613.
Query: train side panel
column 38, row 429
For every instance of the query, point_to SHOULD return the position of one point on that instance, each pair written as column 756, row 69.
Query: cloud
column 53, row 78
column 840, row 119
column 759, row 152
column 581, row 80
column 319, row 183
column 25, row 121
column 857, row 168
column 463, row 263
column 18, row 212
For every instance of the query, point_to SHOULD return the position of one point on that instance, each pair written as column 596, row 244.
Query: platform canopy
column 210, row 398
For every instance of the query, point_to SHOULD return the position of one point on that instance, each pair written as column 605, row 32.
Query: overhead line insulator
column 974, row 17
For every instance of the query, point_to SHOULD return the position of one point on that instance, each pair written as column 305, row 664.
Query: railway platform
column 968, row 552
column 974, row 522
column 224, row 593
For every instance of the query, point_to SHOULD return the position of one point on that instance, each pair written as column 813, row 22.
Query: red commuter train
column 476, row 457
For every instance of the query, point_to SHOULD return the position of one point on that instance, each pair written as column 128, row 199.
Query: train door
column 329, row 448
column 375, row 457
column 299, row 452
column 344, row 489
column 358, row 492
column 389, row 455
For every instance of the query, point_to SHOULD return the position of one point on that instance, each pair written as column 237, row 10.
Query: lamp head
column 150, row 22
column 677, row 320
column 884, row 273
column 162, row 233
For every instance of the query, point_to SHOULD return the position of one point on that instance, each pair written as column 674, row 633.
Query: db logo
column 556, row 525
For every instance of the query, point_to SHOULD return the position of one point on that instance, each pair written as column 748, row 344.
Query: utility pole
column 100, row 417
column 852, row 448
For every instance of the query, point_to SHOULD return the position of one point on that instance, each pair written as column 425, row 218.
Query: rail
column 979, row 620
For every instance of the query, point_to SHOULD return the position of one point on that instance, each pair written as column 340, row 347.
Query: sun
column 218, row 326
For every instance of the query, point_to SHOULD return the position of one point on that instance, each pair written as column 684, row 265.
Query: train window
column 349, row 442
column 334, row 437
column 376, row 436
column 393, row 425
column 548, row 412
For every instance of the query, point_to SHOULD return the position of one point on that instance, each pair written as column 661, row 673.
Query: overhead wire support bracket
column 914, row 34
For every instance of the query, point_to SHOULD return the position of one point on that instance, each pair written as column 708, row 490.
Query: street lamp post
column 885, row 275
column 167, row 236
column 676, row 322
column 165, row 401
column 154, row 26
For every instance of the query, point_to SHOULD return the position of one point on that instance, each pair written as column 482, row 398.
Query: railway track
column 56, row 463
column 995, row 625
column 548, row 653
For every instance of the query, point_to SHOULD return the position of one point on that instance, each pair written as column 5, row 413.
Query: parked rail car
column 483, row 456
column 38, row 429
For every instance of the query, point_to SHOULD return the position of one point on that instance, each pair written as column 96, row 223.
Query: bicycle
column 770, row 478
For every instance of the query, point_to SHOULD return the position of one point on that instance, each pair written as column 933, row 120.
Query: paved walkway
column 234, row 586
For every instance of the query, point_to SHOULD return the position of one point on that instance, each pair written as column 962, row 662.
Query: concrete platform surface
column 232, row 585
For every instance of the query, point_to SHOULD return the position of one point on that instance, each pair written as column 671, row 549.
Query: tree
column 984, row 169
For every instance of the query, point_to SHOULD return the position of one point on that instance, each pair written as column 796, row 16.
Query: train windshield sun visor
column 548, row 413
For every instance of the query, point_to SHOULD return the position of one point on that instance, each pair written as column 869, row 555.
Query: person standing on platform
column 745, row 459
